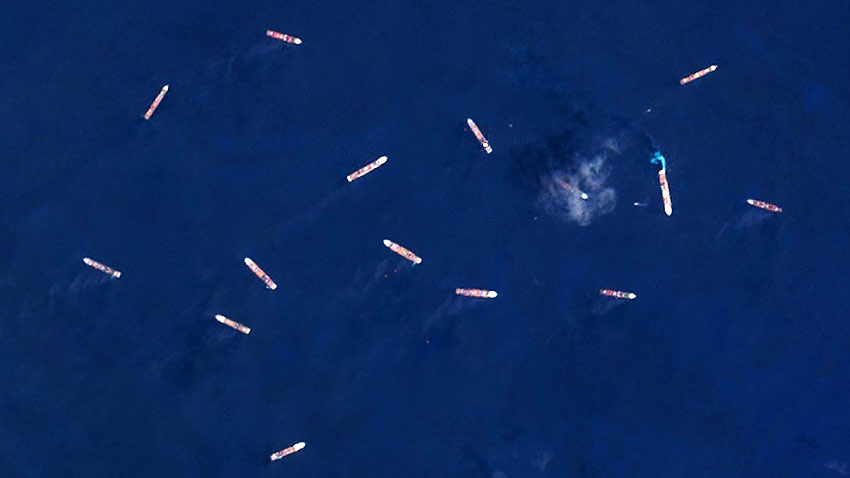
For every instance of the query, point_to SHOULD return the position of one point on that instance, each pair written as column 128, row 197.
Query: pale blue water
column 732, row 361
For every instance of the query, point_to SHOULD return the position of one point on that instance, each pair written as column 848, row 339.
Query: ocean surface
column 732, row 361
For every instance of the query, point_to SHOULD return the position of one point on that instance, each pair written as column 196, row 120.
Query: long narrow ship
column 402, row 251
column 288, row 451
column 697, row 75
column 233, row 324
column 156, row 102
column 367, row 169
column 662, row 180
column 665, row 192
column 479, row 135
column 764, row 205
column 618, row 294
column 102, row 268
column 482, row 293
column 283, row 37
column 259, row 273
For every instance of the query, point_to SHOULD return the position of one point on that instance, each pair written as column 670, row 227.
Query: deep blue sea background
column 733, row 360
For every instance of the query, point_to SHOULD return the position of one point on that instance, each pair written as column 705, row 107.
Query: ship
column 402, row 252
column 618, row 294
column 569, row 187
column 482, row 293
column 259, row 273
column 658, row 158
column 288, row 451
column 665, row 192
column 233, row 324
column 283, row 37
column 155, row 103
column 101, row 267
column 479, row 135
column 697, row 75
column 367, row 169
column 764, row 205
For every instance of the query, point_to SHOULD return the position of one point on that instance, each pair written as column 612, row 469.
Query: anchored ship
column 259, row 273
column 697, row 75
column 402, row 251
column 479, row 135
column 288, row 451
column 156, row 102
column 662, row 179
column 367, row 169
column 233, row 324
column 764, row 205
column 283, row 37
column 482, row 293
column 103, row 268
column 665, row 192
column 617, row 294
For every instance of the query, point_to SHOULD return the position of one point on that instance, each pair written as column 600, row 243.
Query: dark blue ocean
column 732, row 361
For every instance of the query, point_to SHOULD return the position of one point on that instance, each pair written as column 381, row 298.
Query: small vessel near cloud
column 569, row 187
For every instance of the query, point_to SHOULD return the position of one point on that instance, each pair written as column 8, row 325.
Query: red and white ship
column 233, row 324
column 665, row 192
column 102, row 268
column 288, row 451
column 156, row 102
column 764, row 205
column 402, row 252
column 481, row 293
column 367, row 169
column 618, row 294
column 697, row 75
column 260, row 273
column 479, row 135
column 283, row 37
